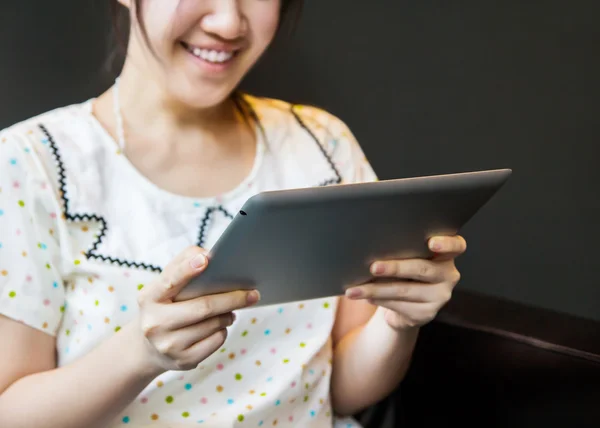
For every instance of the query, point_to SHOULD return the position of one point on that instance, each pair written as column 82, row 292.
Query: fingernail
column 354, row 293
column 198, row 261
column 435, row 246
column 378, row 268
column 233, row 317
column 253, row 297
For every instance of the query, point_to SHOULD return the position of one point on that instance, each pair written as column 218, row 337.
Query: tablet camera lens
column 243, row 212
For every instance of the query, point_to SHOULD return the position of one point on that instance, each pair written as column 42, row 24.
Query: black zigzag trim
column 206, row 219
column 338, row 177
column 92, row 252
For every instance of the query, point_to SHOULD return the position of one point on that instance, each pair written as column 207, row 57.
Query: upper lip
column 219, row 47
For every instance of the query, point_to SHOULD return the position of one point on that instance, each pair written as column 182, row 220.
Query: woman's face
column 201, row 48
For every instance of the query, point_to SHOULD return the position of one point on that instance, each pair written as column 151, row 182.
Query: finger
column 448, row 245
column 190, row 335
column 177, row 274
column 199, row 351
column 188, row 312
column 413, row 269
column 404, row 291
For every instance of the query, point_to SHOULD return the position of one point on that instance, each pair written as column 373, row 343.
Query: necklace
column 118, row 116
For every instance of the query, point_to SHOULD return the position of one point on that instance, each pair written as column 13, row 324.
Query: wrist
column 381, row 317
column 140, row 362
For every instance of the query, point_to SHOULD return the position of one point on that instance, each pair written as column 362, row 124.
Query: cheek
column 264, row 23
column 161, row 20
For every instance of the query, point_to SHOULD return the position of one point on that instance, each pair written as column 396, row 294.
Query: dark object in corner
column 495, row 363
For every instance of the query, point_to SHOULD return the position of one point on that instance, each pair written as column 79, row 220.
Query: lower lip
column 212, row 67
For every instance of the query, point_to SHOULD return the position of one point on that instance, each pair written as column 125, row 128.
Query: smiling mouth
column 210, row 55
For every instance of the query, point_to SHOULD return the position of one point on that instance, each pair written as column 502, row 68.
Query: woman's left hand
column 411, row 292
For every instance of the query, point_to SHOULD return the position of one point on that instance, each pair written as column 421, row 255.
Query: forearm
column 368, row 363
column 89, row 393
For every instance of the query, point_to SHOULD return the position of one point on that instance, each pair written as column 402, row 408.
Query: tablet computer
column 310, row 243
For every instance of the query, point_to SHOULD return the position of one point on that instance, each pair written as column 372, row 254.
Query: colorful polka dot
column 267, row 332
column 238, row 376
column 12, row 294
column 123, row 308
column 117, row 328
column 126, row 419
column 230, row 401
column 13, row 161
column 140, row 286
column 188, row 386
column 219, row 388
column 154, row 417
column 55, row 284
column 169, row 399
column 21, row 204
column 240, row 418
column 185, row 414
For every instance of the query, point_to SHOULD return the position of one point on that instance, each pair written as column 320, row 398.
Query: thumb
column 178, row 273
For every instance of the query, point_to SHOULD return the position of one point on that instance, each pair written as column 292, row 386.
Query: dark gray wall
column 427, row 87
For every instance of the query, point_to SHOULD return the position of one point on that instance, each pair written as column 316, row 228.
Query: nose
column 225, row 20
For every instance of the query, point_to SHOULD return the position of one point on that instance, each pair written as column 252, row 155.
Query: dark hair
column 289, row 16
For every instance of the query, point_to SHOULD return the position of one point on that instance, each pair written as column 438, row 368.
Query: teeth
column 212, row 56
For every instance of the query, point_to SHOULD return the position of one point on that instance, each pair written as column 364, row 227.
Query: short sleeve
column 31, row 289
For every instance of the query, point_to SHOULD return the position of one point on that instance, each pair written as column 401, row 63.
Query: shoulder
column 315, row 119
column 299, row 127
column 28, row 147
column 30, row 136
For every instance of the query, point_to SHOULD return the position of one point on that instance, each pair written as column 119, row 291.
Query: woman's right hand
column 180, row 335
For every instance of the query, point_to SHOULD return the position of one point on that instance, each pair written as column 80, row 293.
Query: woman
column 106, row 207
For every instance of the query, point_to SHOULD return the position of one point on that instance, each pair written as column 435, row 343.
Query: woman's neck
column 144, row 105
